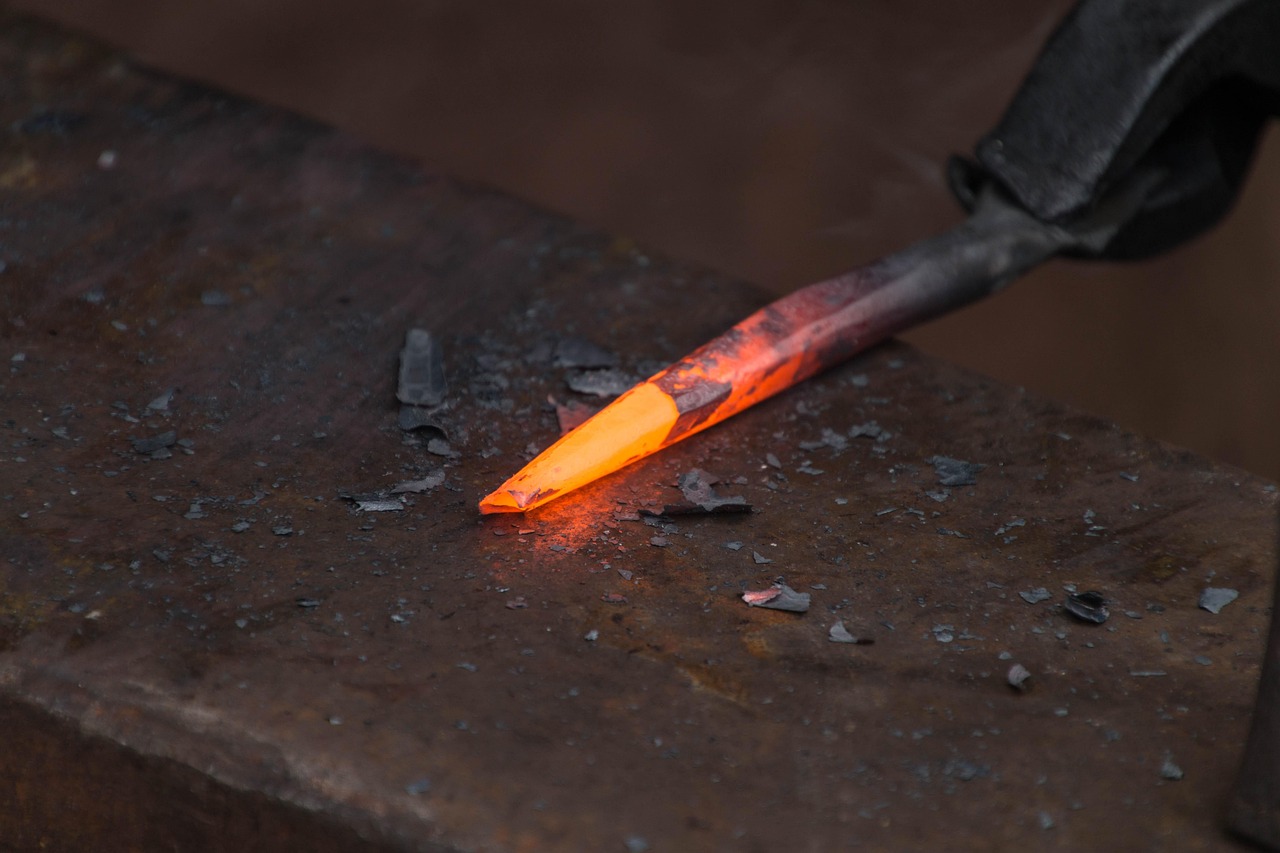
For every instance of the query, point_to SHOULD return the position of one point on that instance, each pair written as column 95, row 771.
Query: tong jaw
column 1170, row 95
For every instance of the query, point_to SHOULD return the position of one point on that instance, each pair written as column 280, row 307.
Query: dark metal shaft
column 1254, row 811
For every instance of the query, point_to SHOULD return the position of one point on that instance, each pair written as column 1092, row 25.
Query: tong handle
column 1176, row 91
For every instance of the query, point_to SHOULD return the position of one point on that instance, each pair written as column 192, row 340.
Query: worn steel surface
column 208, row 647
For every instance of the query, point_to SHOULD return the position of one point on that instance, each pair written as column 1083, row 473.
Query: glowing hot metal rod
column 786, row 342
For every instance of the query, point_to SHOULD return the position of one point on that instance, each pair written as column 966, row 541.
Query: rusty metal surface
column 215, row 650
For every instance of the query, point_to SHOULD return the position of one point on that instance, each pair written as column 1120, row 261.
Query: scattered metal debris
column 1088, row 606
column 964, row 770
column 1018, row 676
column 654, row 519
column 944, row 633
column 517, row 603
column 148, row 446
column 1009, row 525
column 600, row 383
column 579, row 352
column 955, row 472
column 307, row 603
column 426, row 484
column 830, row 438
column 1214, row 599
column 613, row 598
column 871, row 430
column 760, row 559
column 161, row 403
column 422, row 379
column 838, row 633
column 1171, row 771
column 1035, row 596
column 379, row 505
column 778, row 597
column 701, row 498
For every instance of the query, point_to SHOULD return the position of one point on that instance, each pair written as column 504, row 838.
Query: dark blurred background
column 780, row 141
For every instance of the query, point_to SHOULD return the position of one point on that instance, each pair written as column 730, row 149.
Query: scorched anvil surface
column 208, row 642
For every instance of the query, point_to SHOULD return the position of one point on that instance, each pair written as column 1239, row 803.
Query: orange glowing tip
column 781, row 344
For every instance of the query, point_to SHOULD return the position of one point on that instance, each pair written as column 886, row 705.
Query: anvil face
column 290, row 618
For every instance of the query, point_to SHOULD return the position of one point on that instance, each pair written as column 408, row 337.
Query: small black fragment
column 1088, row 607
column 422, row 380
column 419, row 419
column 150, row 445
column 721, row 506
column 307, row 603
column 376, row 501
column 955, row 472
column 579, row 352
